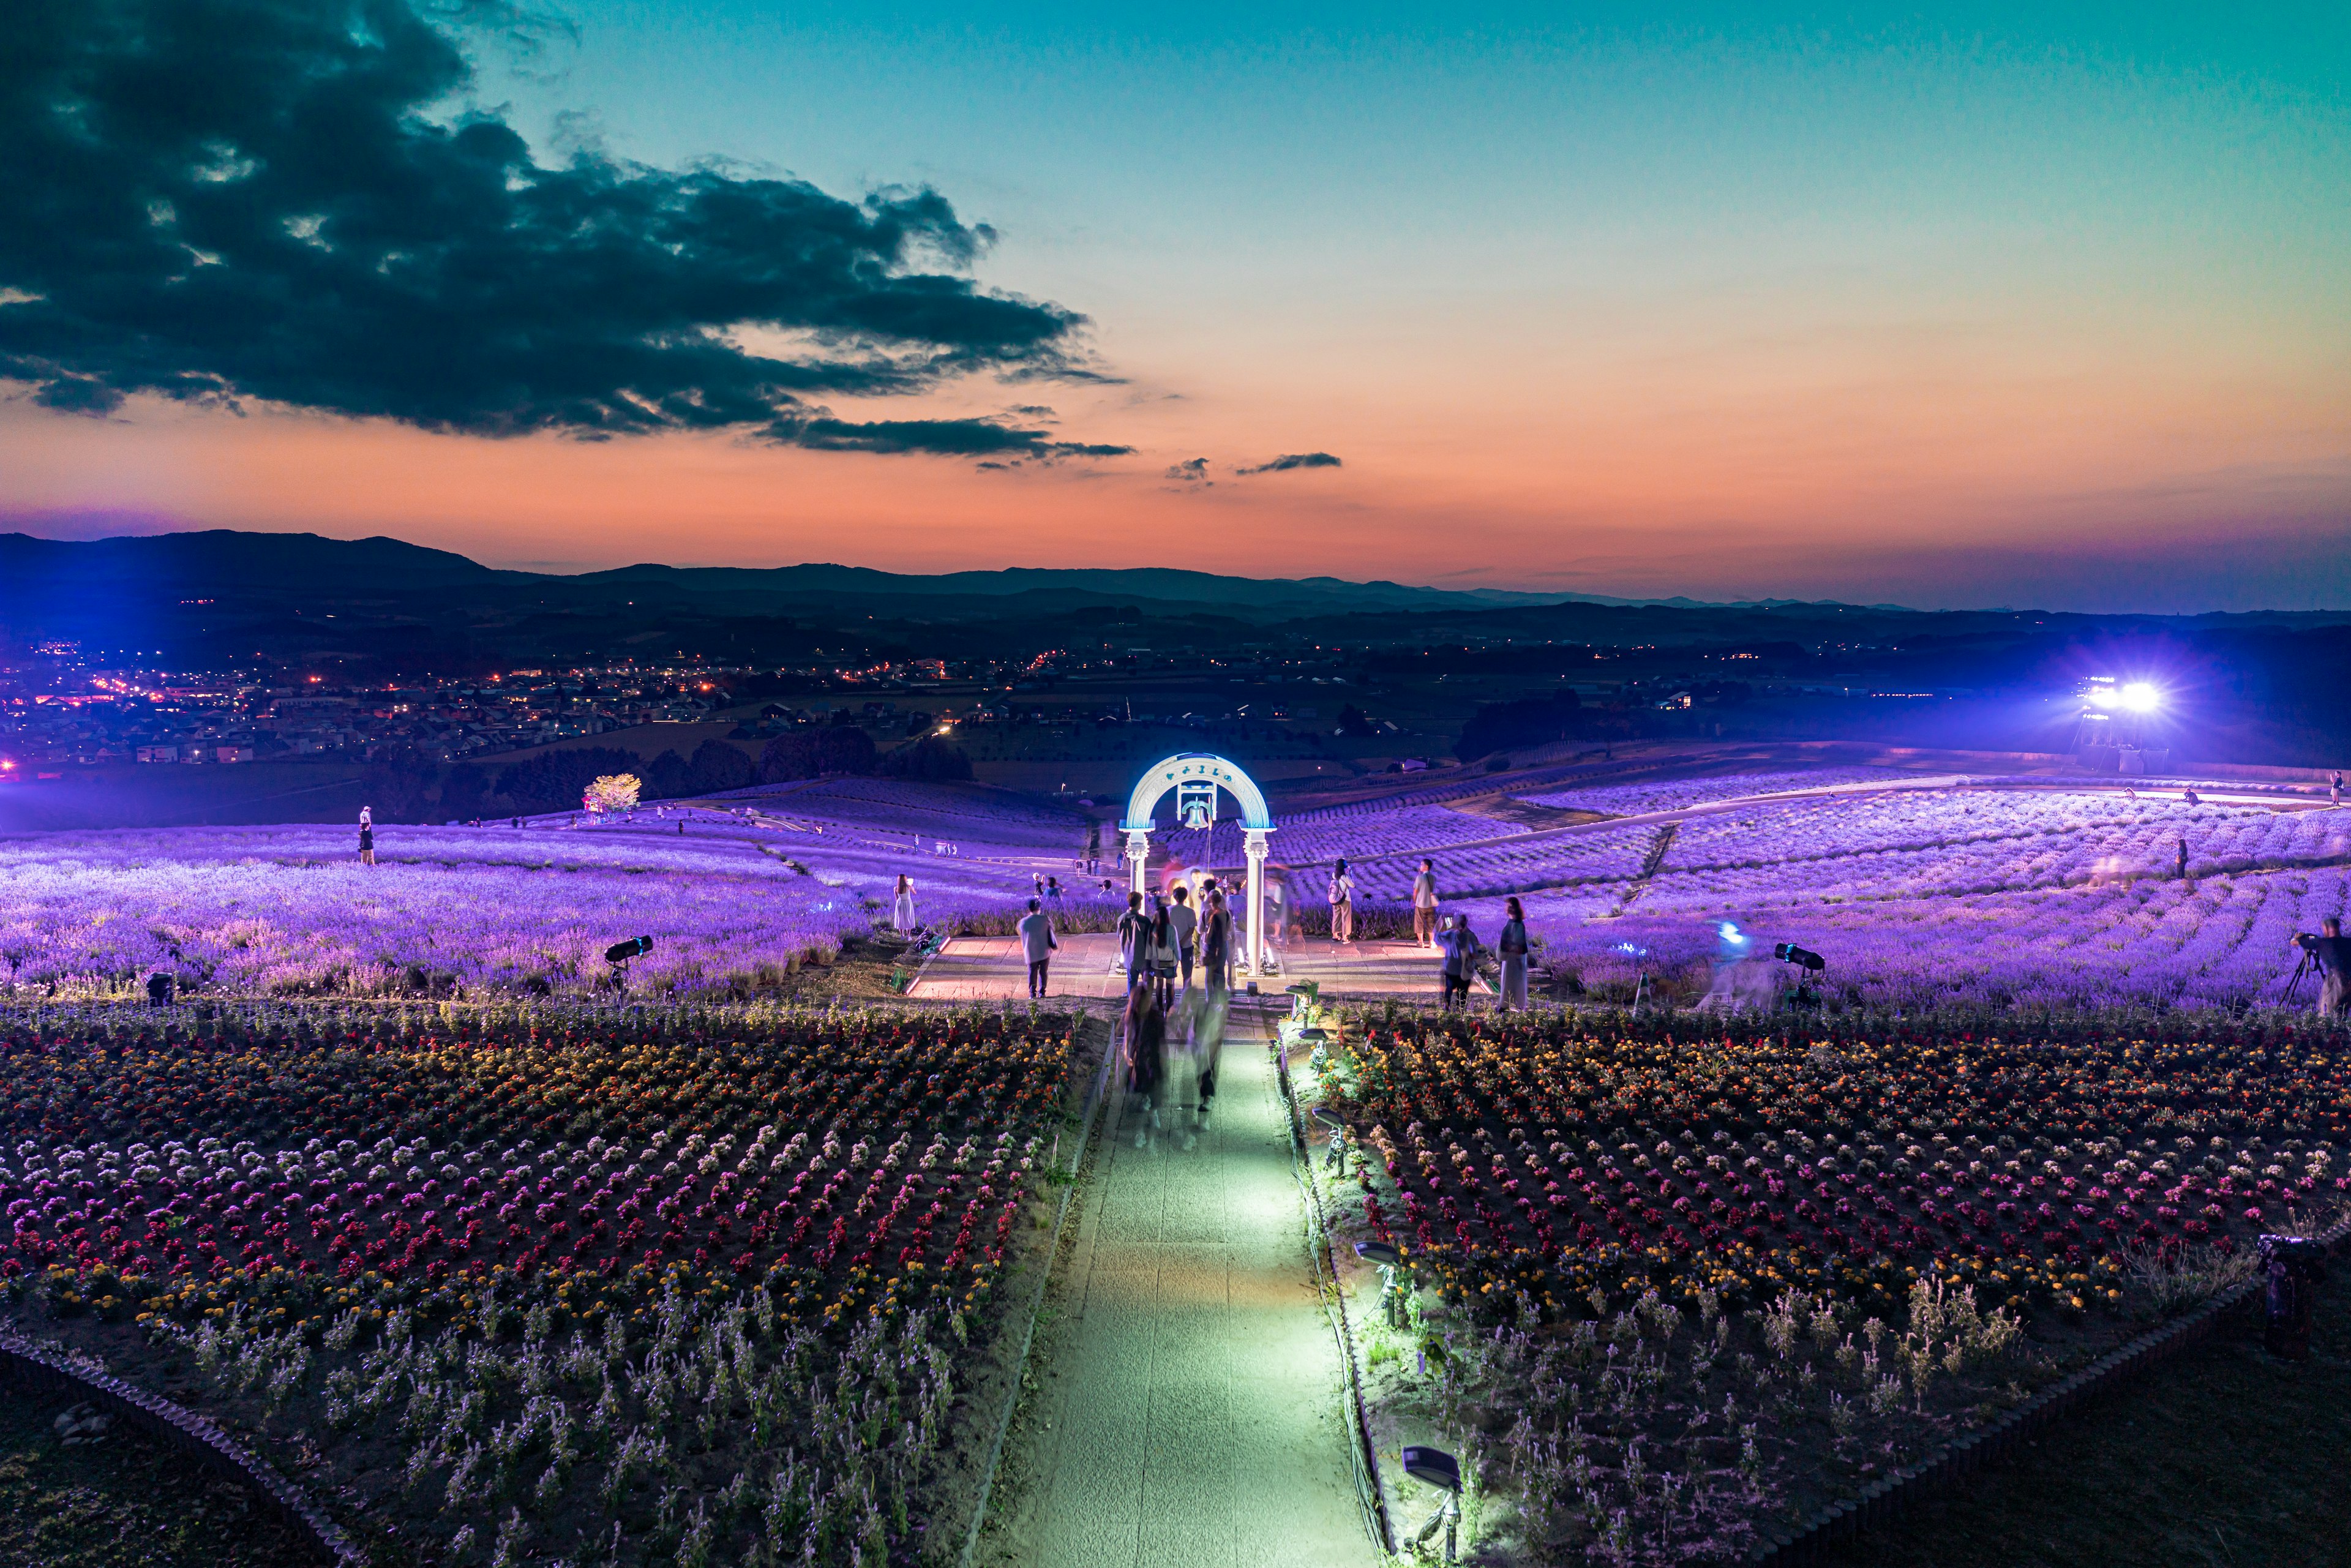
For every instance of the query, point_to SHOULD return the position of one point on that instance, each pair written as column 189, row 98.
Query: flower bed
column 712, row 1279
column 1677, row 1287
column 1673, row 794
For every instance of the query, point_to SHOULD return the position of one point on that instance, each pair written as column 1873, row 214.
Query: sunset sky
column 1945, row 307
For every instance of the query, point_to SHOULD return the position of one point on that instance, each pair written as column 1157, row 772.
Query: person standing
column 902, row 907
column 1461, row 948
column 367, row 835
column 2182, row 858
column 1424, row 906
column 1343, row 903
column 2332, row 952
column 1217, row 945
column 1182, row 924
column 2334, row 788
column 1135, row 938
column 1512, row 945
column 1037, row 942
column 1163, row 953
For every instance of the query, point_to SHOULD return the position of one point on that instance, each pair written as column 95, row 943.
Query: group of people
column 1447, row 934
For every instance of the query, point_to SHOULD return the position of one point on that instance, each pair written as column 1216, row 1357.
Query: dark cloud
column 1192, row 471
column 955, row 438
column 1290, row 460
column 221, row 200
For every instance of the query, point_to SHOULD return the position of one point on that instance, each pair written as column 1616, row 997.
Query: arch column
column 1253, row 846
column 1138, row 854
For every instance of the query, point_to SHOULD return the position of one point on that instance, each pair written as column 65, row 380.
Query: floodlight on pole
column 2141, row 696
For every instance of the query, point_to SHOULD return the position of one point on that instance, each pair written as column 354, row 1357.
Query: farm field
column 633, row 1287
column 1671, row 1286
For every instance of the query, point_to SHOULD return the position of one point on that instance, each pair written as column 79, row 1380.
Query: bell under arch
column 1194, row 777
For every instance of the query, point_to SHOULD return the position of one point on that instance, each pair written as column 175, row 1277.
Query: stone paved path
column 1191, row 1413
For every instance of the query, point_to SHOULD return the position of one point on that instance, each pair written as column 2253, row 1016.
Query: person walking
column 1146, row 1056
column 1134, row 940
column 1343, row 903
column 367, row 835
column 1208, row 1051
column 1217, row 945
column 901, row 907
column 1424, row 906
column 1512, row 945
column 1461, row 947
column 1184, row 926
column 1163, row 953
column 1037, row 942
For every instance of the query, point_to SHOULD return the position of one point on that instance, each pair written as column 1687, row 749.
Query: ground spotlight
column 634, row 948
column 1789, row 953
column 1434, row 1467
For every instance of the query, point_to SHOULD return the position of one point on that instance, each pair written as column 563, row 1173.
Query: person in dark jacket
column 1461, row 947
column 1217, row 945
column 367, row 835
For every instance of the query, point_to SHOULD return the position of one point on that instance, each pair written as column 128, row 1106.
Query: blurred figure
column 2182, row 858
column 1208, row 1050
column 901, row 907
column 1424, row 906
column 1038, row 942
column 367, row 835
column 1512, row 943
column 1343, row 903
column 1146, row 1056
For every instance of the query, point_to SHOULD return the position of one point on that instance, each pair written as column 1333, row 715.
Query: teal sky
column 1941, row 305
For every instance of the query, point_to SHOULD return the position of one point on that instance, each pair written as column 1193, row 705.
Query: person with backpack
column 1342, row 903
column 1134, row 940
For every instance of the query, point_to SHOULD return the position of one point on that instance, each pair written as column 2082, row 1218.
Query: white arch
column 1195, row 767
column 1206, row 768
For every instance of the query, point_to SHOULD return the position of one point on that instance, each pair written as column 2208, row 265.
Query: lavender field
column 2029, row 896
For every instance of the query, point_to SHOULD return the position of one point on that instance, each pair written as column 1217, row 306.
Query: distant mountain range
column 224, row 559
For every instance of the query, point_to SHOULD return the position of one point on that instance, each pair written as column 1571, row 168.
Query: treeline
column 552, row 782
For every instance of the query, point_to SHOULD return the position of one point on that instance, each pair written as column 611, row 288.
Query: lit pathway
column 1190, row 1408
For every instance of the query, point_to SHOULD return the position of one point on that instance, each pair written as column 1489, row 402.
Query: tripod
column 2309, row 962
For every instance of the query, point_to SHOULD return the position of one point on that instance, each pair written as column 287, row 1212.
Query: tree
column 666, row 777
column 789, row 756
column 395, row 780
column 1530, row 721
column 613, row 792
column 465, row 793
column 552, row 780
column 1353, row 722
column 844, row 749
column 717, row 765
column 933, row 756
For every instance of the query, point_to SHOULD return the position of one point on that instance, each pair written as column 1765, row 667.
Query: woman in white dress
column 902, row 912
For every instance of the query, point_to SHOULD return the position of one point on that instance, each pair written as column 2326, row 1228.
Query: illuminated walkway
column 1189, row 1412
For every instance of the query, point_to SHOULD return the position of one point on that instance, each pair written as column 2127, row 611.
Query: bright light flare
column 2140, row 696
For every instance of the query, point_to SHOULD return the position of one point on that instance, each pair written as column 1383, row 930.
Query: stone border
column 1095, row 1098
column 28, row 1365
column 1883, row 1501
column 1371, row 1491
